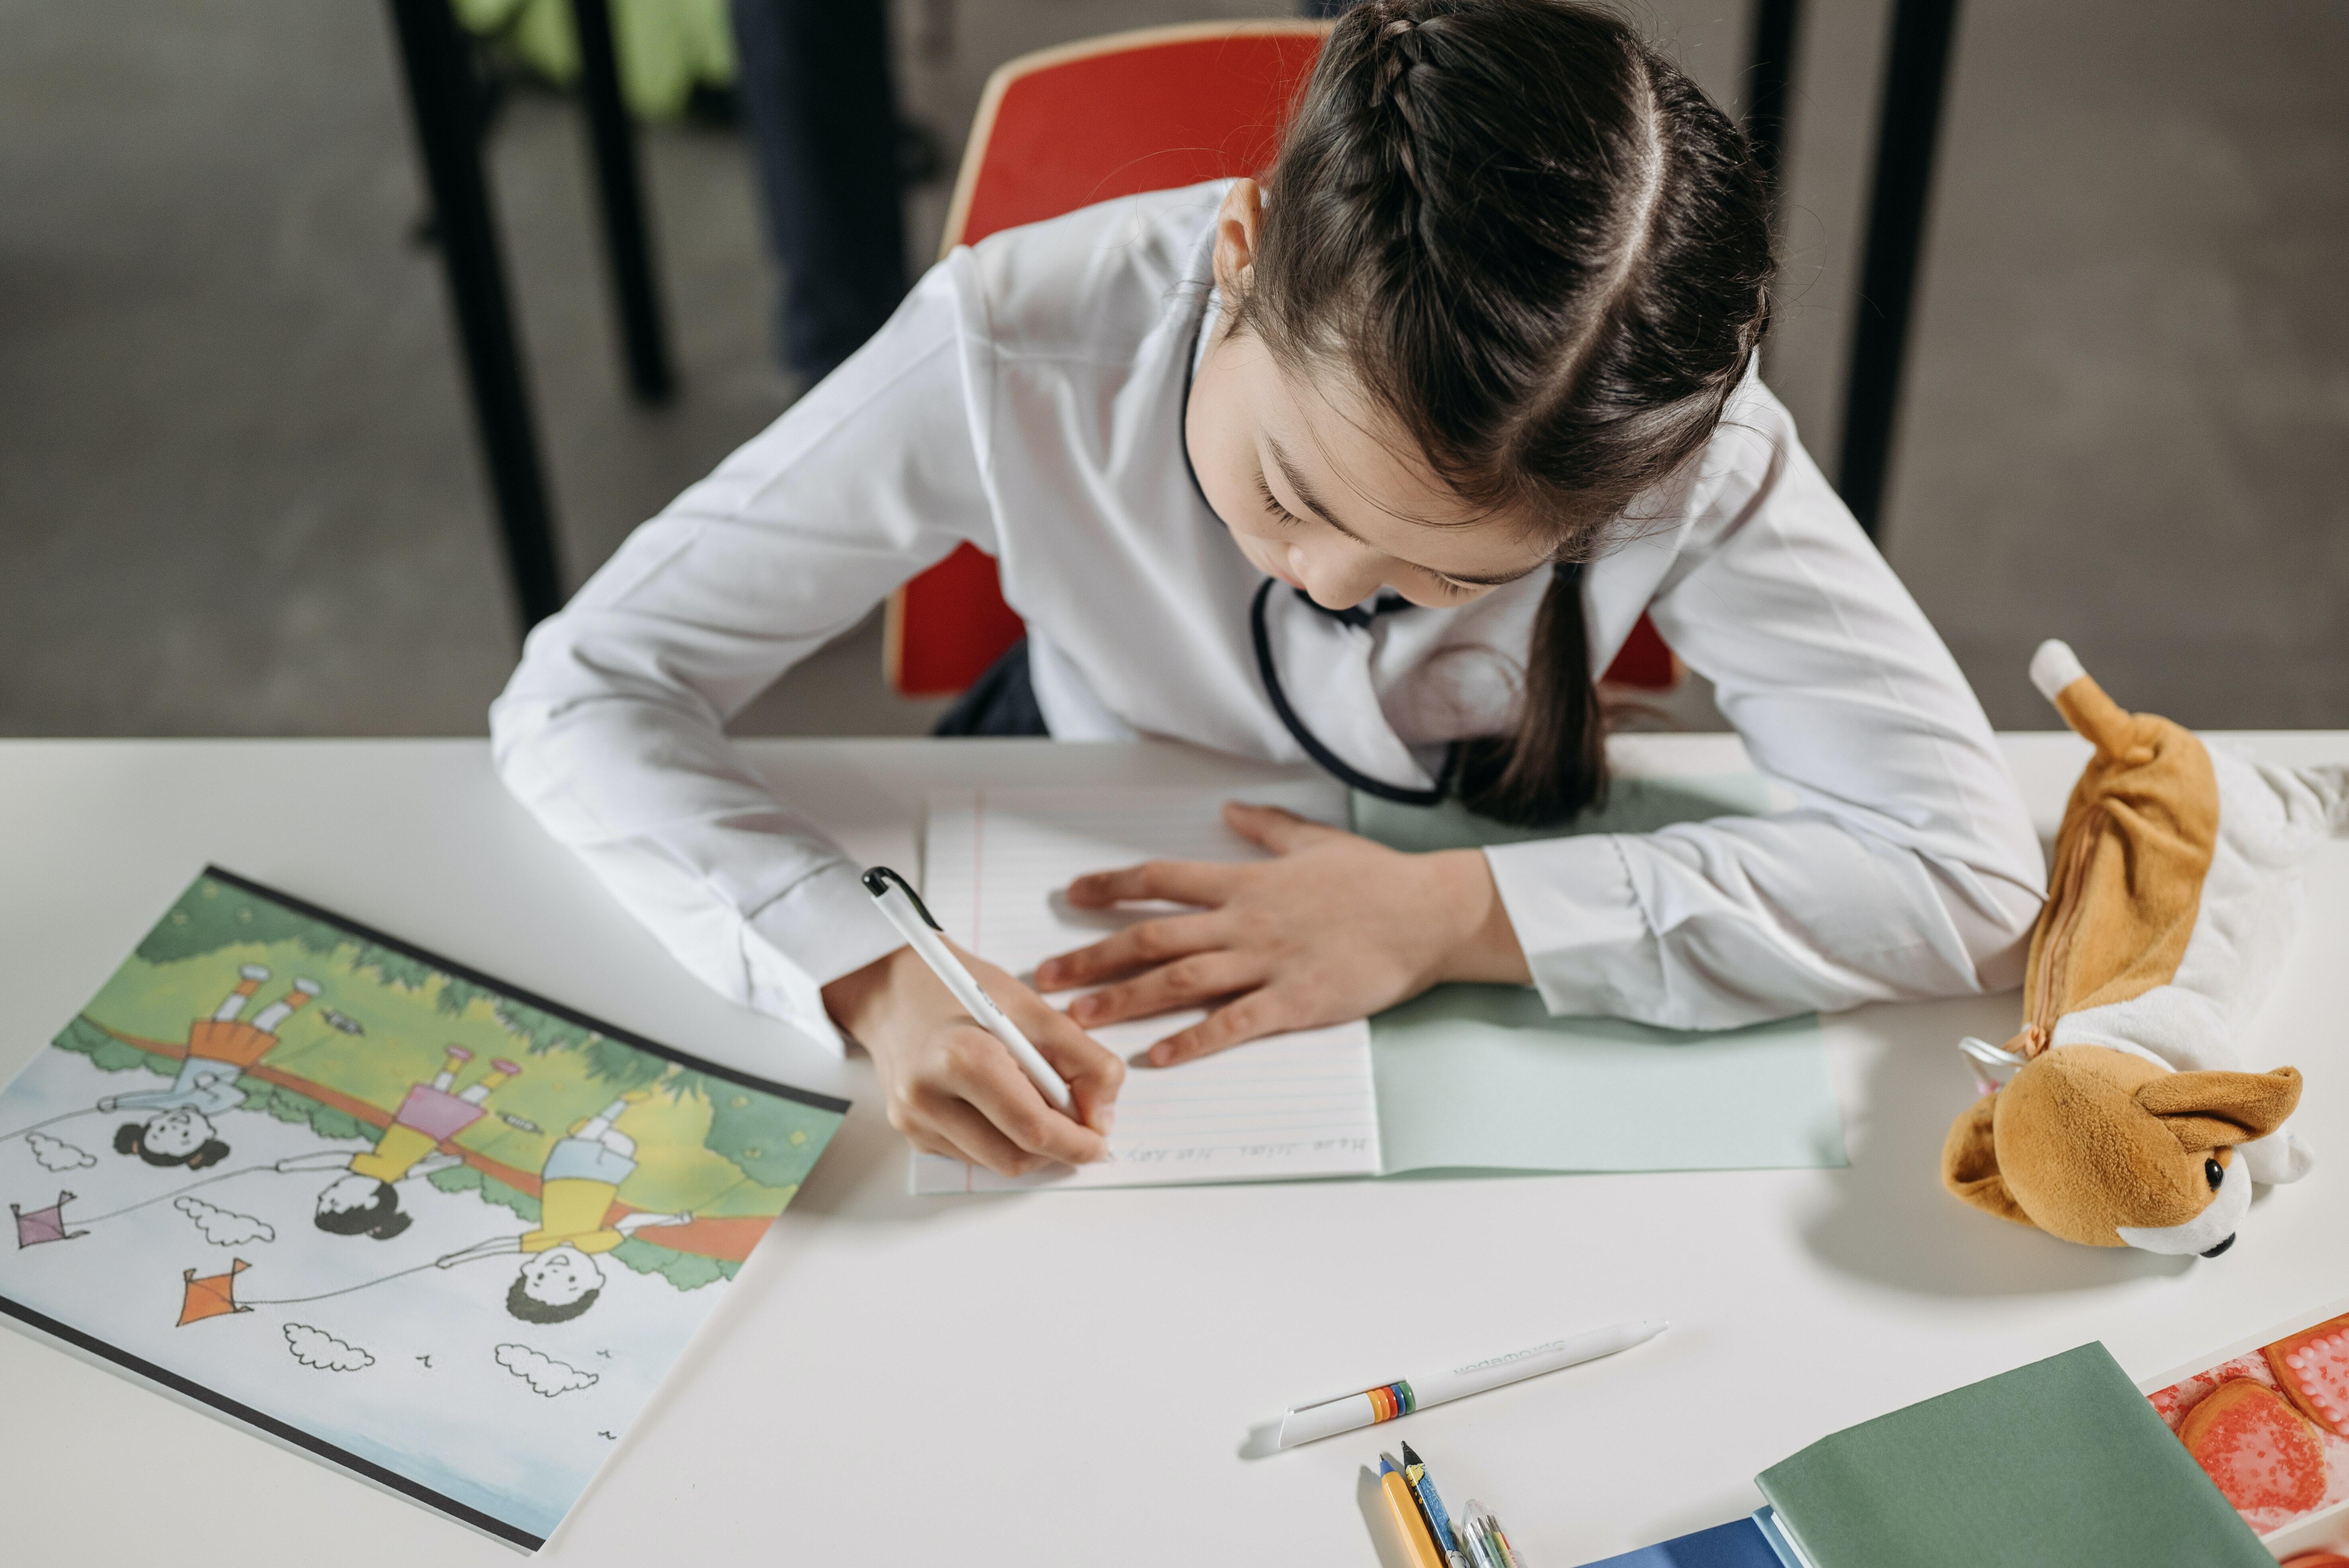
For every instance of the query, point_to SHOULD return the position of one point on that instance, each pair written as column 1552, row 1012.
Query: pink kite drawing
column 34, row 1227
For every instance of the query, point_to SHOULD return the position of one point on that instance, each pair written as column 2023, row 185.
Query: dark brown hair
column 529, row 1309
column 381, row 1218
column 130, row 1138
column 1545, row 253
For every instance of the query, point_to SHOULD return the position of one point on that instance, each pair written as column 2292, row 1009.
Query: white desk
column 1048, row 1379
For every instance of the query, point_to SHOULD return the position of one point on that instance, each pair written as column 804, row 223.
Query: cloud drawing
column 544, row 1374
column 57, row 1154
column 223, row 1228
column 317, row 1347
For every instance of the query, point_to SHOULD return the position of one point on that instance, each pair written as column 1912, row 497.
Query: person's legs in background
column 816, row 86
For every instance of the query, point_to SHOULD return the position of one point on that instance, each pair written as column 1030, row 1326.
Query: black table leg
column 612, row 144
column 1768, row 76
column 1914, row 78
column 445, row 103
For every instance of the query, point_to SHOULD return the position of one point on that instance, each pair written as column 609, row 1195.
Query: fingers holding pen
column 952, row 1088
column 1093, row 1073
column 989, row 1085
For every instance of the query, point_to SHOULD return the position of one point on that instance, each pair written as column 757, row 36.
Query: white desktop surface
column 1068, row 1379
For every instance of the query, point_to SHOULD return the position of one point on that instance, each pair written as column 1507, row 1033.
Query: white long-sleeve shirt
column 1028, row 398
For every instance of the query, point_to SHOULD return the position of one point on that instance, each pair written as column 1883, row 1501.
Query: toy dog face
column 2109, row 1150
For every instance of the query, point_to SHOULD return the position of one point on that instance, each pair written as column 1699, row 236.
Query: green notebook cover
column 2060, row 1463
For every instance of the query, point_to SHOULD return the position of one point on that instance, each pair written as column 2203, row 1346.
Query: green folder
column 2058, row 1464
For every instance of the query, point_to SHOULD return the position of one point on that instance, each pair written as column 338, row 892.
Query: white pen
column 906, row 911
column 1348, row 1412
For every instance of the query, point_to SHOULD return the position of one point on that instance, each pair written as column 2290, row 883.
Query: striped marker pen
column 1350, row 1412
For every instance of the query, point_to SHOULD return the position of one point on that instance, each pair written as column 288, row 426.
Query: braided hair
column 1544, row 252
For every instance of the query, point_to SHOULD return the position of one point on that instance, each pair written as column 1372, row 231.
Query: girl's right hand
column 953, row 1089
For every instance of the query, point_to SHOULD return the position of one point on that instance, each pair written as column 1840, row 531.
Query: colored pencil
column 1403, row 1511
column 1422, row 1487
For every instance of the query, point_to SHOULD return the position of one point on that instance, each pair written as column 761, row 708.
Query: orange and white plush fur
column 2123, row 1117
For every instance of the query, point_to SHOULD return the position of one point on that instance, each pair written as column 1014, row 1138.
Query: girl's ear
column 2211, row 1109
column 1238, row 223
column 1970, row 1164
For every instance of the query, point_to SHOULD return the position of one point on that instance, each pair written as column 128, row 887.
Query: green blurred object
column 667, row 47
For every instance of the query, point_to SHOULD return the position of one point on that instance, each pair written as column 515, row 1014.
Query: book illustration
column 47, row 1224
column 57, row 1154
column 431, row 1229
column 547, row 1377
column 222, row 1227
column 317, row 1347
column 364, row 1201
column 2264, row 1425
column 179, row 1130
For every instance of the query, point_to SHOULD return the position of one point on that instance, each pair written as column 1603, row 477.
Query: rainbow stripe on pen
column 1390, row 1400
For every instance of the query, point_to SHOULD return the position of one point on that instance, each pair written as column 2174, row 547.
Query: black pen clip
column 876, row 882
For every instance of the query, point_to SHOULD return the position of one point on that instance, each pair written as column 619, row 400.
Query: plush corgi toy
column 2123, row 1118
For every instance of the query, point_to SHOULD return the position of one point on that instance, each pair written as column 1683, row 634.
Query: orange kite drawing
column 210, row 1296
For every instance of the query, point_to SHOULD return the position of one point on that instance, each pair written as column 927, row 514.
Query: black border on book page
column 282, row 1430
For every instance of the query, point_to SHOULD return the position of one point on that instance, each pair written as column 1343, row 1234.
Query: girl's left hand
column 1336, row 927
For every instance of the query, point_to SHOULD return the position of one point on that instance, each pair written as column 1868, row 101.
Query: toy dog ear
column 1970, row 1164
column 2208, row 1110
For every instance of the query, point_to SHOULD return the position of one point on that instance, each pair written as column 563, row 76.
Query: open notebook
column 1464, row 1077
column 1293, row 1106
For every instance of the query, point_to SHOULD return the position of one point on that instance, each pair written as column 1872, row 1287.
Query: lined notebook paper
column 1291, row 1105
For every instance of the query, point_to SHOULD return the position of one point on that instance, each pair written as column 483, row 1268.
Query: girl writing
column 1369, row 462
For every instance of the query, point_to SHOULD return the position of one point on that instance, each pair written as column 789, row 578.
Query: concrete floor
column 239, row 496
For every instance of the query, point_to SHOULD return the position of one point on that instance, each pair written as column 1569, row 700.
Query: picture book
column 2269, row 1424
column 375, row 1206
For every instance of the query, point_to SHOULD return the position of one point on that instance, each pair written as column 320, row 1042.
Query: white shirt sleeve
column 611, row 731
column 1907, row 869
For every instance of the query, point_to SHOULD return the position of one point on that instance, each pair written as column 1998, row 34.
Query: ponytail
column 1554, row 765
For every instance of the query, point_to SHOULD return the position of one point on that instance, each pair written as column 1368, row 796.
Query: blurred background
column 240, row 492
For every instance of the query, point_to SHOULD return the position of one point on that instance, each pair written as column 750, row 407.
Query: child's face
column 347, row 1192
column 175, row 1134
column 1319, row 487
column 560, row 1275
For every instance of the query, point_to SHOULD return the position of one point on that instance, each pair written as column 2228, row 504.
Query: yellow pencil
column 1405, row 1513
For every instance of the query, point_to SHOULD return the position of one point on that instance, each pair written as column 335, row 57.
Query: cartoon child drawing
column 560, row 1277
column 365, row 1202
column 220, row 1049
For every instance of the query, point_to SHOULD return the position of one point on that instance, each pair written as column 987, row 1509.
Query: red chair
column 1159, row 107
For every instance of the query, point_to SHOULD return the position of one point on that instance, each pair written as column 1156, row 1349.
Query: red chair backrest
column 1060, row 129
column 1086, row 122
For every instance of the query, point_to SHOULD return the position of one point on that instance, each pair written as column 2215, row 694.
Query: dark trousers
column 823, row 120
column 1000, row 702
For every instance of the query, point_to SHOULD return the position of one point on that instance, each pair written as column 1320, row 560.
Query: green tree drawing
column 105, row 1052
column 772, row 1141
column 211, row 916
